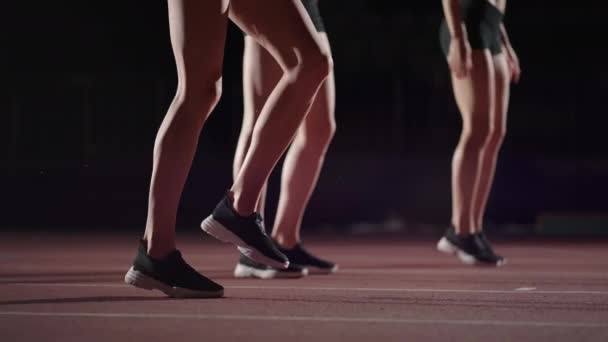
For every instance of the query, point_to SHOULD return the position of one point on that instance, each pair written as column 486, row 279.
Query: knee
column 202, row 95
column 197, row 99
column 311, row 65
column 323, row 137
column 475, row 135
column 327, row 64
column 215, row 91
column 320, row 65
column 328, row 132
column 497, row 134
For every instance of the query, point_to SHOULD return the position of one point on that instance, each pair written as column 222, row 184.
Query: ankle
column 239, row 207
column 461, row 230
column 158, row 250
column 285, row 241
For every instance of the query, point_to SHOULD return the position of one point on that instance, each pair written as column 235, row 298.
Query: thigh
column 502, row 81
column 475, row 93
column 198, row 34
column 261, row 73
column 322, row 112
column 282, row 27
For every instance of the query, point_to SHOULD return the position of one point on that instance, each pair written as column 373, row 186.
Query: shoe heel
column 212, row 227
column 242, row 271
column 137, row 279
column 445, row 246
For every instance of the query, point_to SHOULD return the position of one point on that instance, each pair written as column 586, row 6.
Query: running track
column 68, row 287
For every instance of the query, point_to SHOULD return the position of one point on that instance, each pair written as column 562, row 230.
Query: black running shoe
column 247, row 233
column 171, row 275
column 301, row 257
column 247, row 268
column 486, row 252
column 463, row 246
column 471, row 249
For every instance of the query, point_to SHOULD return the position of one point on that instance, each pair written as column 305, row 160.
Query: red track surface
column 69, row 287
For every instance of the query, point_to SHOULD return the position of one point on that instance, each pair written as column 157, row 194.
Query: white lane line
column 100, row 285
column 330, row 319
column 331, row 289
column 373, row 289
column 504, row 272
column 525, row 289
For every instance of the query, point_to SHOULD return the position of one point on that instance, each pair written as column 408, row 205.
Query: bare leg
column 284, row 29
column 261, row 73
column 305, row 157
column 475, row 98
column 304, row 162
column 498, row 127
column 198, row 31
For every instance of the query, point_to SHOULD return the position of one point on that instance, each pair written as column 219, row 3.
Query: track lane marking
column 328, row 319
column 332, row 289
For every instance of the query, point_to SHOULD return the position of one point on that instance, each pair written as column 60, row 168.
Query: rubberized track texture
column 68, row 287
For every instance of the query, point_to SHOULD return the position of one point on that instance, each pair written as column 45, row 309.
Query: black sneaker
column 247, row 268
column 471, row 249
column 171, row 275
column 247, row 233
column 301, row 257
column 486, row 252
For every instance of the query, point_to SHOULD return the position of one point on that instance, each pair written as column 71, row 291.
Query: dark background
column 85, row 85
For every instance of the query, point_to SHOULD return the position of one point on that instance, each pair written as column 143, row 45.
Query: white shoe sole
column 445, row 246
column 142, row 281
column 321, row 271
column 244, row 271
column 214, row 228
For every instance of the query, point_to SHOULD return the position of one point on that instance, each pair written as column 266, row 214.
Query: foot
column 171, row 275
column 486, row 252
column 471, row 249
column 300, row 256
column 247, row 233
column 247, row 268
